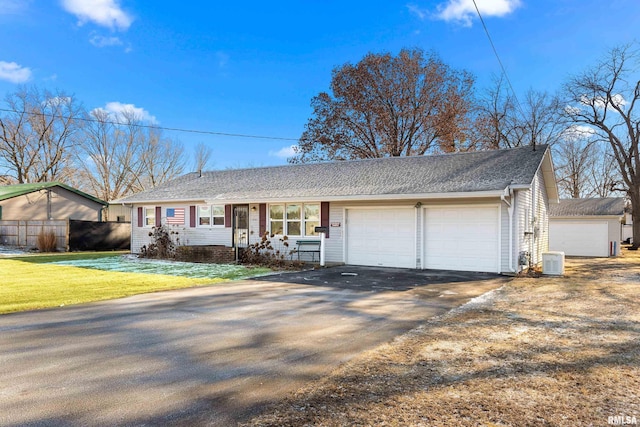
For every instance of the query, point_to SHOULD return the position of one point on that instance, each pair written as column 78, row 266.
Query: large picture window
column 294, row 219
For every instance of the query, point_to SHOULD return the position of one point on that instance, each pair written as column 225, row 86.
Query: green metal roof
column 15, row 190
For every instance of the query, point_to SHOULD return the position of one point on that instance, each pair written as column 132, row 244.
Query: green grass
column 28, row 283
column 66, row 256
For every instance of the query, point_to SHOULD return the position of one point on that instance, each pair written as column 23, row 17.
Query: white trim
column 144, row 216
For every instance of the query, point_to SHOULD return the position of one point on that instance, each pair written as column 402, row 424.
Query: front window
column 209, row 216
column 311, row 219
column 295, row 219
column 204, row 215
column 150, row 217
column 218, row 215
column 276, row 219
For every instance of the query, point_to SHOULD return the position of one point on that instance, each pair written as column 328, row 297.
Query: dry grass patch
column 559, row 351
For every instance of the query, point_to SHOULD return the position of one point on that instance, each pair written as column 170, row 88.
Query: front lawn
column 40, row 281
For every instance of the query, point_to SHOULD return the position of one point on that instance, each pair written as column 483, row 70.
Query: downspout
column 533, row 259
column 510, row 211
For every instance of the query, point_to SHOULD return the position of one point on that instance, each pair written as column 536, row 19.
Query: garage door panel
column 381, row 237
column 461, row 238
column 579, row 238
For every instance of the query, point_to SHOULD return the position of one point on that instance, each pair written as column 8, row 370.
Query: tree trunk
column 634, row 195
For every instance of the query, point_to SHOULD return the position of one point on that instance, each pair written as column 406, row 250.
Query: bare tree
column 605, row 176
column 389, row 106
column 503, row 121
column 37, row 135
column 202, row 157
column 575, row 158
column 121, row 155
column 161, row 159
column 604, row 98
column 109, row 155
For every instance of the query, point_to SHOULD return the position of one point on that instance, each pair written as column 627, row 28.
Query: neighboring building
column 475, row 211
column 587, row 227
column 118, row 213
column 48, row 200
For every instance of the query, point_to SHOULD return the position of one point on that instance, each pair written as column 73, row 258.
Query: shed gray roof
column 605, row 206
column 479, row 171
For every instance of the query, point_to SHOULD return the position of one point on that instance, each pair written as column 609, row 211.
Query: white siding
column 189, row 236
column 542, row 219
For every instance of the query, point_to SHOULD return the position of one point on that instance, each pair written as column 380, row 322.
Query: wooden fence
column 24, row 233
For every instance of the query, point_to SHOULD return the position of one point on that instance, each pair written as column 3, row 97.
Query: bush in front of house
column 270, row 253
column 163, row 243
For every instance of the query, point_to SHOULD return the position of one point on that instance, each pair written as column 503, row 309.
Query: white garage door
column 579, row 238
column 462, row 238
column 381, row 237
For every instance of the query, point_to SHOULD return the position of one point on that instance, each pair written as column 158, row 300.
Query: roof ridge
column 373, row 159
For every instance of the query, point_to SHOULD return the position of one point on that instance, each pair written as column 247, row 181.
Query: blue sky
column 252, row 67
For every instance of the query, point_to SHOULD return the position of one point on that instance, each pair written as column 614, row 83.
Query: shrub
column 264, row 253
column 163, row 243
column 46, row 241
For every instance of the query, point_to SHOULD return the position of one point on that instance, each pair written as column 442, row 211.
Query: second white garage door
column 579, row 238
column 462, row 238
column 381, row 237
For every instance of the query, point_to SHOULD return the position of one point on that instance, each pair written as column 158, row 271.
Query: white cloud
column 420, row 13
column 13, row 7
column 118, row 111
column 101, row 41
column 285, row 152
column 600, row 102
column 14, row 73
column 464, row 11
column 106, row 13
column 578, row 132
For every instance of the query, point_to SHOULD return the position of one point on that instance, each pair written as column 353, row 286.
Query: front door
column 241, row 226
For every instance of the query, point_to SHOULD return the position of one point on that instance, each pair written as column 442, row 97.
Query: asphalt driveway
column 213, row 355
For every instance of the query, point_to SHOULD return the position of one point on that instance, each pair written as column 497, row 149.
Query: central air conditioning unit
column 553, row 263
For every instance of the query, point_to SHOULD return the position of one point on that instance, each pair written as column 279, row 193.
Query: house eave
column 346, row 198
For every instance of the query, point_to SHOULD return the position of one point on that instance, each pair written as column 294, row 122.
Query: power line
column 495, row 51
column 140, row 125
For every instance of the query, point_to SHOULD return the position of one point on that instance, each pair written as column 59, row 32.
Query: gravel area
column 556, row 351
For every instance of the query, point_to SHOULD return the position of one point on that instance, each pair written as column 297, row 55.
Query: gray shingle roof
column 447, row 173
column 588, row 207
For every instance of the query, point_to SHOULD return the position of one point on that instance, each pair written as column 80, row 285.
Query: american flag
column 175, row 216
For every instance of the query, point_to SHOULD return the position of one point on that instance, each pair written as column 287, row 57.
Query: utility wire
column 495, row 51
column 140, row 125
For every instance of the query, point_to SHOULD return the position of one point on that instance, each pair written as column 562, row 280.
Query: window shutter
column 227, row 216
column 140, row 218
column 262, row 218
column 192, row 216
column 158, row 216
column 324, row 216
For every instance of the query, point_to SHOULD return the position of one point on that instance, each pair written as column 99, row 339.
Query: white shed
column 586, row 227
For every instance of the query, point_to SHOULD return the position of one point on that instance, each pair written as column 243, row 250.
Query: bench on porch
column 309, row 246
